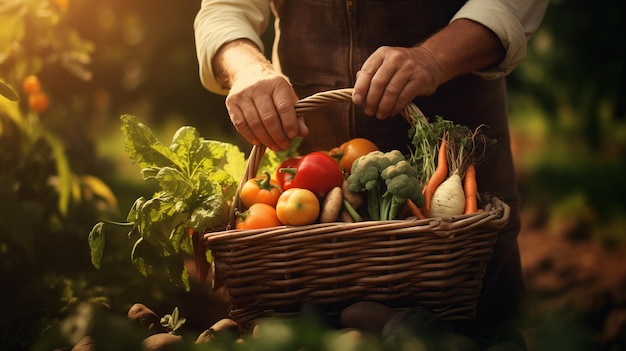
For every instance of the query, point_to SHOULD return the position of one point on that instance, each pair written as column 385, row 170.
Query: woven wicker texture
column 438, row 263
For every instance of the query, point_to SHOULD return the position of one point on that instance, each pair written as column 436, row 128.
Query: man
column 448, row 57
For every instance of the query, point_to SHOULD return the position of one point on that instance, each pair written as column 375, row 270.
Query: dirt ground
column 577, row 292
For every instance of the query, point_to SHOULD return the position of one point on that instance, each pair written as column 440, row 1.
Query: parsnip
column 449, row 198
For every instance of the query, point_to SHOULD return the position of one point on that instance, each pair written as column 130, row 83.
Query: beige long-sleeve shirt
column 221, row 21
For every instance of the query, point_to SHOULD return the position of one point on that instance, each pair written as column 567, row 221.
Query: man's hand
column 261, row 100
column 261, row 107
column 392, row 76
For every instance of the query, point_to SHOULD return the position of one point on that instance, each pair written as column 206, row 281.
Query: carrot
column 438, row 176
column 415, row 211
column 471, row 189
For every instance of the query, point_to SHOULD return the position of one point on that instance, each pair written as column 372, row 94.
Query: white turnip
column 448, row 198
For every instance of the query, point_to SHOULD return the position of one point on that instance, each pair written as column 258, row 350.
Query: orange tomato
column 352, row 149
column 297, row 206
column 261, row 189
column 258, row 216
column 31, row 84
column 38, row 102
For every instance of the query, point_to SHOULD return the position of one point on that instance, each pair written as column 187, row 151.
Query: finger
column 391, row 94
column 274, row 137
column 378, row 84
column 241, row 125
column 303, row 130
column 364, row 77
column 405, row 97
column 285, row 107
column 251, row 119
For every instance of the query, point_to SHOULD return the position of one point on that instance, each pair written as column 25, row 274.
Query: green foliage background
column 101, row 59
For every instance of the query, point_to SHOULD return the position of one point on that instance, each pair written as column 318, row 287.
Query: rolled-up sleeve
column 221, row 21
column 513, row 21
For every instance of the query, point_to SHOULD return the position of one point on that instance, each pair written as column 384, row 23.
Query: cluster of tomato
column 294, row 194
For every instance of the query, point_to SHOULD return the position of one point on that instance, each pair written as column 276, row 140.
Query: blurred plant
column 34, row 34
column 34, row 168
column 41, row 193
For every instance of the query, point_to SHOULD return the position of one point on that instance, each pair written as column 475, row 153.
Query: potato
column 223, row 326
column 344, row 216
column 355, row 199
column 144, row 316
column 416, row 327
column 332, row 205
column 367, row 316
column 85, row 344
column 162, row 342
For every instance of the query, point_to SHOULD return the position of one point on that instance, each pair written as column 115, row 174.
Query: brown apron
column 321, row 44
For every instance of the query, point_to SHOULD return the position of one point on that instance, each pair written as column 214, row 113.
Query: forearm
column 222, row 21
column 513, row 21
column 236, row 57
column 462, row 47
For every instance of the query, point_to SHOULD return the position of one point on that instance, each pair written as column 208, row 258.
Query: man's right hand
column 261, row 107
column 261, row 100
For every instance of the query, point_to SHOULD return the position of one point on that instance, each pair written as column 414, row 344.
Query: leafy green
column 426, row 137
column 196, row 179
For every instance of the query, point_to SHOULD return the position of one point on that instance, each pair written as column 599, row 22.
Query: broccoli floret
column 366, row 176
column 365, row 172
column 402, row 183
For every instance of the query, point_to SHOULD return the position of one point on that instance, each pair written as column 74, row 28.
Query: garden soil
column 577, row 291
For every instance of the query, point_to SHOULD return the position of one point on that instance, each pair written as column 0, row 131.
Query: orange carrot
column 438, row 176
column 471, row 189
column 415, row 211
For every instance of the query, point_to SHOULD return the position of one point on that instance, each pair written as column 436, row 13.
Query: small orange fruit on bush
column 38, row 102
column 31, row 84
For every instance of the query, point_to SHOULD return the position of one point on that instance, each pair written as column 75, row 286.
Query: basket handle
column 317, row 100
column 302, row 106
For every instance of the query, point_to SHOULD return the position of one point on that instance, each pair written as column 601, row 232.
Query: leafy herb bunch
column 197, row 179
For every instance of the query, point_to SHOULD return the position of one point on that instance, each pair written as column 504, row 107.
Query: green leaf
column 138, row 256
column 157, row 218
column 143, row 147
column 211, row 215
column 175, row 183
column 173, row 321
column 235, row 161
column 181, row 239
column 64, row 171
column 7, row 91
column 149, row 173
column 96, row 244
column 133, row 213
column 186, row 144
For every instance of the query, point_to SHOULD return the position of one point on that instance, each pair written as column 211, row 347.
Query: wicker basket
column 437, row 263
